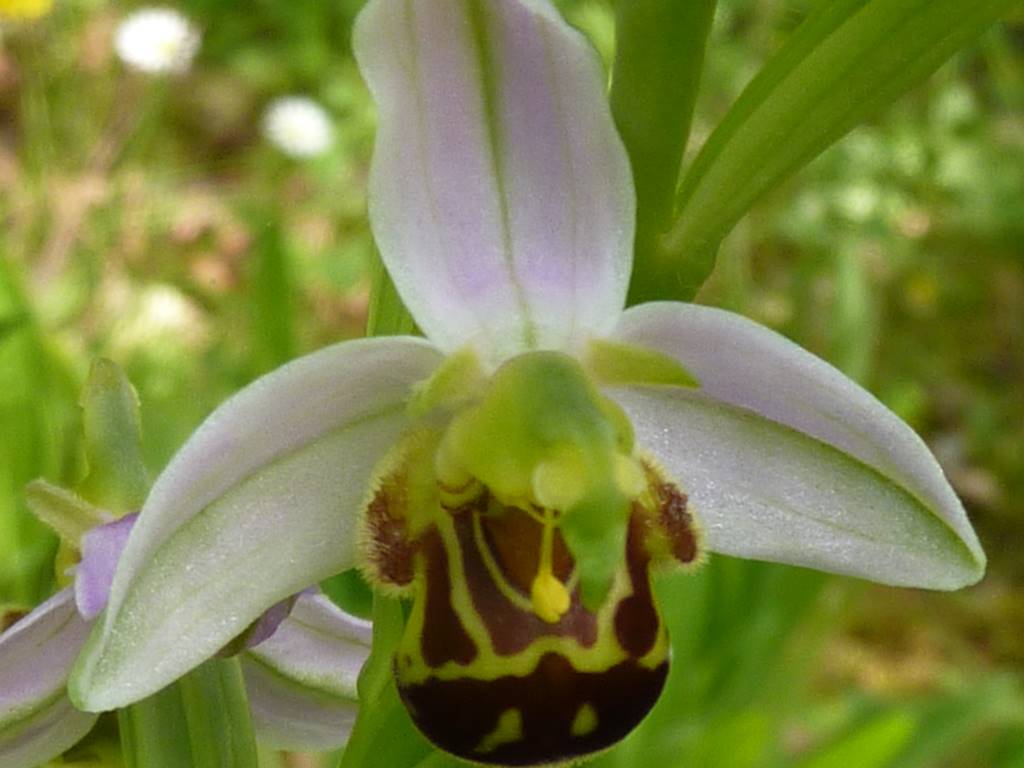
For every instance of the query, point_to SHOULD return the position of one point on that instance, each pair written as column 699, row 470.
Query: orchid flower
column 518, row 473
column 300, row 664
column 299, row 660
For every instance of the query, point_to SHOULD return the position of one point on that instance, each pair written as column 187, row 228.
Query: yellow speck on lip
column 508, row 730
column 24, row 9
column 585, row 721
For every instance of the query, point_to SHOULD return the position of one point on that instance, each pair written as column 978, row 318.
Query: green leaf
column 659, row 56
column 873, row 744
column 847, row 61
column 950, row 725
column 200, row 721
column 39, row 418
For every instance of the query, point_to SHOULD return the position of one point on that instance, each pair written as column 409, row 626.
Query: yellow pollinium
column 548, row 595
column 550, row 598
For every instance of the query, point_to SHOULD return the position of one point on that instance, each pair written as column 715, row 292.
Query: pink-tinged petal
column 36, row 654
column 267, row 624
column 787, row 459
column 259, row 503
column 101, row 549
column 44, row 735
column 500, row 193
column 302, row 681
column 37, row 722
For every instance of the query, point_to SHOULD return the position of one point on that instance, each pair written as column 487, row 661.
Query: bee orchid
column 300, row 659
column 520, row 472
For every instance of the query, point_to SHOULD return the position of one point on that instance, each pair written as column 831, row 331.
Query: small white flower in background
column 157, row 40
column 298, row 126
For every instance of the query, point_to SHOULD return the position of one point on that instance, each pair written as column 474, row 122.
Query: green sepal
column 67, row 513
column 201, row 721
column 616, row 364
column 117, row 479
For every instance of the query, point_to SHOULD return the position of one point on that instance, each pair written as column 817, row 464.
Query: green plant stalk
column 658, row 62
column 387, row 314
column 846, row 62
column 273, row 295
column 383, row 733
column 201, row 721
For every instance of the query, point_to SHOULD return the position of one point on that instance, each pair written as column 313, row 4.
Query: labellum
column 503, row 660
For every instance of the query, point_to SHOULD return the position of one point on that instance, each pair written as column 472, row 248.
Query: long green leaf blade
column 201, row 721
column 848, row 60
column 659, row 56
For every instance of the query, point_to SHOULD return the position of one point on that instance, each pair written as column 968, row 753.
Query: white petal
column 742, row 363
column 500, row 195
column 302, row 681
column 101, row 550
column 782, row 391
column 45, row 734
column 764, row 491
column 37, row 722
column 259, row 504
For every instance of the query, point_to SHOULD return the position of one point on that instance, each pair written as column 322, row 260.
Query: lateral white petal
column 37, row 722
column 765, row 491
column 259, row 503
column 500, row 193
column 302, row 681
column 743, row 363
column 44, row 735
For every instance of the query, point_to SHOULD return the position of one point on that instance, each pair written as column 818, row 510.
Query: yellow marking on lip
column 512, row 594
column 585, row 722
column 508, row 730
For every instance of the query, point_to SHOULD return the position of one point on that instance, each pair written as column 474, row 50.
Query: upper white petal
column 500, row 194
column 741, row 363
column 260, row 503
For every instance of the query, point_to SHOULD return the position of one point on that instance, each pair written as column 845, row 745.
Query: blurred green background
column 148, row 220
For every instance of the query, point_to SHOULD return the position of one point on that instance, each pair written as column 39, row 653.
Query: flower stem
column 383, row 734
column 388, row 315
column 201, row 721
column 658, row 64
